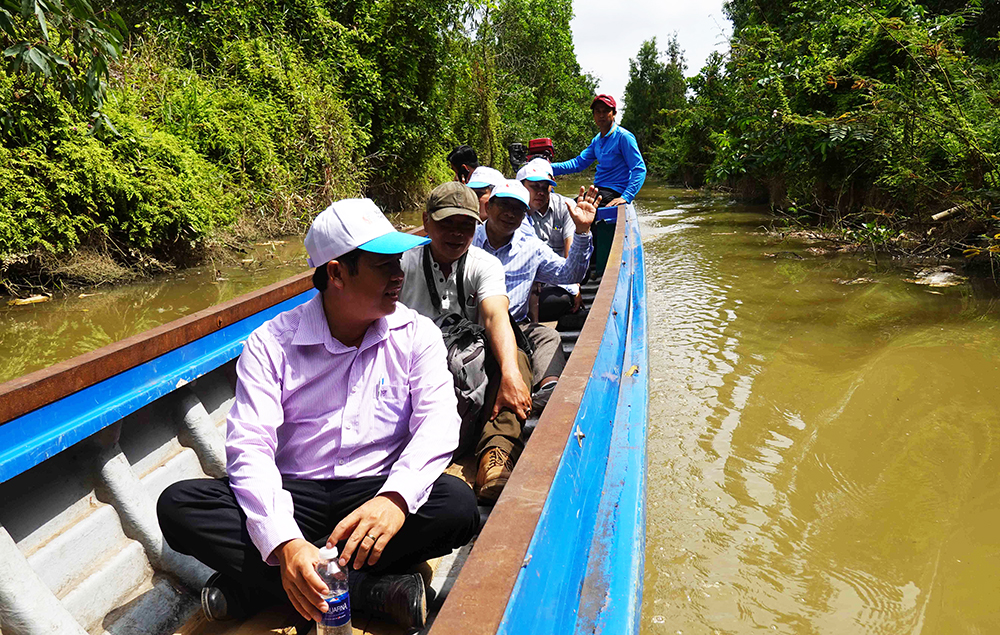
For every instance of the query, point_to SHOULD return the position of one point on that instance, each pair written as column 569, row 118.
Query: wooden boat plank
column 477, row 602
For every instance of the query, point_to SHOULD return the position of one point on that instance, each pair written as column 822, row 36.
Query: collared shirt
column 309, row 407
column 484, row 278
column 554, row 226
column 526, row 259
column 619, row 162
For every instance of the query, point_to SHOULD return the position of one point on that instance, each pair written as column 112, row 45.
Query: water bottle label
column 338, row 610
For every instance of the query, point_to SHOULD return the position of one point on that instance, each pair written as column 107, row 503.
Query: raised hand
column 586, row 209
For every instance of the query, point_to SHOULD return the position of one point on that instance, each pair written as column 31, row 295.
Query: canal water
column 823, row 457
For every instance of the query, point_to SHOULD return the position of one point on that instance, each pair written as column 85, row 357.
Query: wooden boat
column 87, row 445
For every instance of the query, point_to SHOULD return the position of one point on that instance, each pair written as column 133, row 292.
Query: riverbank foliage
column 167, row 127
column 871, row 116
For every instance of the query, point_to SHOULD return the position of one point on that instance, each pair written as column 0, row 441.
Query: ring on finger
column 373, row 538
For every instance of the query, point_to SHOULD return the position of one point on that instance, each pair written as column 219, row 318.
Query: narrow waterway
column 822, row 455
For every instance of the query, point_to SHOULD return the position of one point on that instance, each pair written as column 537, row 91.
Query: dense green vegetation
column 870, row 116
column 142, row 135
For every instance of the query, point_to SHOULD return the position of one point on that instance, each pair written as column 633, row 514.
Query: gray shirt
column 555, row 226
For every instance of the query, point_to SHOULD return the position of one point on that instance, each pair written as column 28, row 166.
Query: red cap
column 540, row 144
column 607, row 100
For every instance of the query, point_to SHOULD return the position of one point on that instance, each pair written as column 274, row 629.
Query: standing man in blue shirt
column 620, row 168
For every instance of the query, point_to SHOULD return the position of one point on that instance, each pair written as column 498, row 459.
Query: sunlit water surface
column 822, row 456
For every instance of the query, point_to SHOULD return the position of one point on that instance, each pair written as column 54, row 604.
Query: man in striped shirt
column 525, row 259
column 344, row 421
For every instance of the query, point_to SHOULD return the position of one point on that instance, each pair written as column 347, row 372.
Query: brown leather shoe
column 495, row 467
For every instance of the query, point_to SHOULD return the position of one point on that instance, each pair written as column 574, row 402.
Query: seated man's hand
column 615, row 202
column 577, row 301
column 298, row 559
column 586, row 209
column 513, row 395
column 369, row 528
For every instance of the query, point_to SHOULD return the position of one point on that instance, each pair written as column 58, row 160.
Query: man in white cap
column 525, row 259
column 449, row 276
column 344, row 421
column 482, row 181
column 549, row 214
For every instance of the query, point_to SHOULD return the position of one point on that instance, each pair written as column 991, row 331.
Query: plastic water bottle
column 337, row 619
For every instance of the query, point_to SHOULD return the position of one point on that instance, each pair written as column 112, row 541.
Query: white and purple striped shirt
column 309, row 407
column 526, row 259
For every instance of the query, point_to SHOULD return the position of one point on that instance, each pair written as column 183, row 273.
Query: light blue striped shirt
column 526, row 259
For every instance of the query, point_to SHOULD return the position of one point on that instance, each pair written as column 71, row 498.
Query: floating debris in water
column 855, row 281
column 943, row 276
column 88, row 295
column 35, row 299
column 818, row 251
column 787, row 255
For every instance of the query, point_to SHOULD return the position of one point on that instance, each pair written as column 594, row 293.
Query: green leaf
column 39, row 60
column 40, row 14
column 7, row 24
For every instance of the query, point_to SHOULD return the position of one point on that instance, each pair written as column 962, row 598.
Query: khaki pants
column 504, row 430
column 548, row 360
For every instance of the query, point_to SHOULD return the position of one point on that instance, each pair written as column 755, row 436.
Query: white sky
column 608, row 34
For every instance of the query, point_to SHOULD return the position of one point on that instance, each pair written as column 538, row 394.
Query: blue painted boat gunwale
column 547, row 592
column 31, row 438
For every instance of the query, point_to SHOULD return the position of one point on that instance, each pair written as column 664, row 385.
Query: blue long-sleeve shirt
column 619, row 163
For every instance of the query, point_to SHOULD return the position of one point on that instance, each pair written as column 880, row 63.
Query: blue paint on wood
column 584, row 522
column 43, row 433
column 612, row 593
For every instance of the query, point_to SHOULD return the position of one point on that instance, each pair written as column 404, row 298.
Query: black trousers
column 607, row 195
column 201, row 518
column 553, row 303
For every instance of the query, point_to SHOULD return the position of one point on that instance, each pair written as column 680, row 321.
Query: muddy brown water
column 822, row 456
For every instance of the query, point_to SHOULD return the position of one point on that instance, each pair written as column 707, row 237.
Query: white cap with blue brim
column 355, row 223
column 537, row 169
column 483, row 177
column 511, row 189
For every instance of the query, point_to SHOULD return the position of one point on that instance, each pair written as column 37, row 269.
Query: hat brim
column 447, row 212
column 510, row 195
column 541, row 179
column 393, row 243
column 478, row 185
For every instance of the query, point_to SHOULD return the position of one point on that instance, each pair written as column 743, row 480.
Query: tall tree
column 656, row 83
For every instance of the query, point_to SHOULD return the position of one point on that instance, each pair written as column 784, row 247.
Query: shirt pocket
column 392, row 412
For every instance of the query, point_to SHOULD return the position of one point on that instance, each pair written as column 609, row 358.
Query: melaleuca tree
column 656, row 83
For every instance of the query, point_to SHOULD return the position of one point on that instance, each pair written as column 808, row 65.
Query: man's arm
column 434, row 422
column 636, row 166
column 578, row 164
column 555, row 269
column 514, row 395
column 251, row 442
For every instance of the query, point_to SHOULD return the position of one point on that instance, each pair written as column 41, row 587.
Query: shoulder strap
column 429, row 278
column 459, row 279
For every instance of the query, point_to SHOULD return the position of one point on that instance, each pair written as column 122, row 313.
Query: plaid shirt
column 526, row 259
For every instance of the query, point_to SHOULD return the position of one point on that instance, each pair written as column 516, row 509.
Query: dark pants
column 607, row 195
column 201, row 518
column 553, row 303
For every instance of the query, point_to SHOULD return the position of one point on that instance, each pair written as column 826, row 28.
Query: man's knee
column 175, row 504
column 458, row 509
